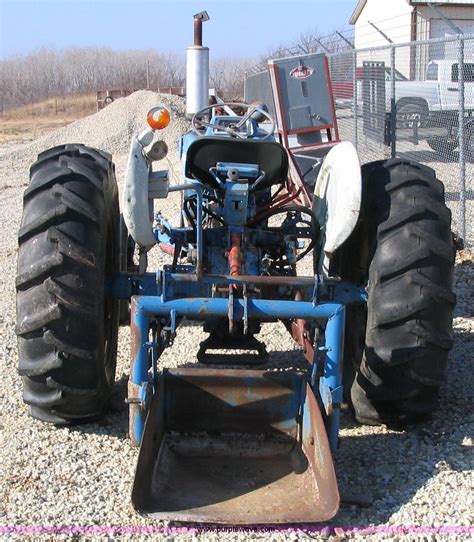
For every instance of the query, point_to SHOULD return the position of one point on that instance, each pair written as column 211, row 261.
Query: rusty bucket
column 235, row 446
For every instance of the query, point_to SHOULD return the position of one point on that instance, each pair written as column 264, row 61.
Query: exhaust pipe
column 197, row 69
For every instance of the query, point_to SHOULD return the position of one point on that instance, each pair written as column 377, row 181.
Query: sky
column 236, row 28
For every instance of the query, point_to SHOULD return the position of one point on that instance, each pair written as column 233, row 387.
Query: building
column 405, row 21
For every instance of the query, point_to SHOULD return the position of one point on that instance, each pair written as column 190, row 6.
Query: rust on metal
column 133, row 394
column 234, row 255
column 197, row 32
column 247, row 279
column 135, row 334
column 315, row 443
column 235, row 446
column 299, row 331
column 301, row 336
column 167, row 248
column 297, row 182
column 133, row 389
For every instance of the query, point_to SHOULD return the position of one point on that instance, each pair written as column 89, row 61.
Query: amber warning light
column 158, row 118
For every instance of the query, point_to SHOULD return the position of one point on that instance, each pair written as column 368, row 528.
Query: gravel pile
column 109, row 129
column 76, row 482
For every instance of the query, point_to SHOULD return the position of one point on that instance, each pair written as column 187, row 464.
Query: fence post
column 393, row 104
column 354, row 100
column 462, row 142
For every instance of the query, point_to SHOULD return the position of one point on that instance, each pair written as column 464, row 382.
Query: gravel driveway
column 75, row 483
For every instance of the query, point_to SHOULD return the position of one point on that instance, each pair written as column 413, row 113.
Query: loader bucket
column 235, row 446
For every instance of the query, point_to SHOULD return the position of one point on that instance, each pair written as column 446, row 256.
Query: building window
column 432, row 72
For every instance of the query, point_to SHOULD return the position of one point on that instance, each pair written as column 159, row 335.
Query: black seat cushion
column 205, row 152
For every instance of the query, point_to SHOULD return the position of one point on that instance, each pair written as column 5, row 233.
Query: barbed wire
column 335, row 42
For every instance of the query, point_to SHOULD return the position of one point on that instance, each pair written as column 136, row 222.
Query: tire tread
column 69, row 205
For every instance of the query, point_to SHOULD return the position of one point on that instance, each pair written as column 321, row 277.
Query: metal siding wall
column 424, row 31
column 458, row 13
column 392, row 17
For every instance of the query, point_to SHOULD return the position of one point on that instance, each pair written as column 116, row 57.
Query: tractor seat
column 205, row 152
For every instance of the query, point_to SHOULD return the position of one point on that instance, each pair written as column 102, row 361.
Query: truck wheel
column 411, row 113
column 397, row 347
column 68, row 243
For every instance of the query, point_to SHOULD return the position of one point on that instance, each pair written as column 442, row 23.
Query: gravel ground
column 75, row 482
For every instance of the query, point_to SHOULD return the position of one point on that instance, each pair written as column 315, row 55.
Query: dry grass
column 33, row 120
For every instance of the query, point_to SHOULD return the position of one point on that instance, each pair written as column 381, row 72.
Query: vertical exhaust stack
column 197, row 69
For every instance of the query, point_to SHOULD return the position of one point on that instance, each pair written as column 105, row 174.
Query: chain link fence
column 414, row 101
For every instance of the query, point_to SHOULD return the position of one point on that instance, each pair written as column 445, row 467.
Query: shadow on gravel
column 429, row 157
column 464, row 292
column 293, row 359
column 389, row 467
column 115, row 421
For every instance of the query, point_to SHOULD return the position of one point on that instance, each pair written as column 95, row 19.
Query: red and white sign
column 301, row 72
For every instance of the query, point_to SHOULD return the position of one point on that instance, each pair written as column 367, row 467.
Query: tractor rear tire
column 397, row 347
column 68, row 243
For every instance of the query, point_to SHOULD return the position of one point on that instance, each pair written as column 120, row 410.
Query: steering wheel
column 254, row 111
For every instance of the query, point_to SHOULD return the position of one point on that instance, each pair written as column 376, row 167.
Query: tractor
column 267, row 189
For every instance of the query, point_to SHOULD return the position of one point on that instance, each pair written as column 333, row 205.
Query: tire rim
column 408, row 120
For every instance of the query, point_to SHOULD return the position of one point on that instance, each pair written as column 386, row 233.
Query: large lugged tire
column 68, row 243
column 405, row 253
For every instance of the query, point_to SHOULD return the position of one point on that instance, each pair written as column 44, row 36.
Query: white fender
column 337, row 199
column 136, row 205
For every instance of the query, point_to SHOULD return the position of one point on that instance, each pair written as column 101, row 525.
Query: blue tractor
column 265, row 190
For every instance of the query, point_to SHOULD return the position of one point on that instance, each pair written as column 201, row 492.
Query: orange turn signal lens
column 158, row 118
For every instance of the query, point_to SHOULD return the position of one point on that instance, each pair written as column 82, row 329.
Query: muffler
column 197, row 69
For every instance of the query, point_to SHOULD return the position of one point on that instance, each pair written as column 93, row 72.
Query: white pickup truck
column 439, row 92
column 433, row 105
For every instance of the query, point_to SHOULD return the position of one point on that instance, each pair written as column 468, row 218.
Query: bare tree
column 48, row 72
column 227, row 74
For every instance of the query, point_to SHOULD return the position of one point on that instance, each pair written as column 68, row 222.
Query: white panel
column 337, row 197
column 135, row 203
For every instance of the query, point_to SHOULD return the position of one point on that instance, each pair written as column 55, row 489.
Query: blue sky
column 237, row 27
